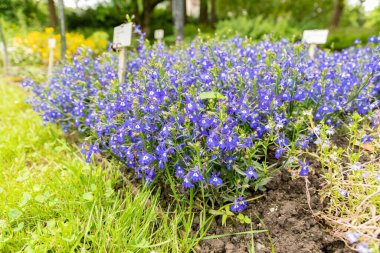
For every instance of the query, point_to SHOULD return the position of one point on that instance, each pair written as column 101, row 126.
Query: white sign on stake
column 314, row 37
column 51, row 44
column 122, row 36
column 159, row 34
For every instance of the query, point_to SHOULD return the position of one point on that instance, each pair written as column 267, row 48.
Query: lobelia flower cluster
column 204, row 116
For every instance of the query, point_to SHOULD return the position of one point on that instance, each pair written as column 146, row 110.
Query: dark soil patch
column 286, row 215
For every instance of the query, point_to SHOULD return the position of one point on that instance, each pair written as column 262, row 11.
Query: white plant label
column 315, row 36
column 51, row 43
column 122, row 35
column 159, row 34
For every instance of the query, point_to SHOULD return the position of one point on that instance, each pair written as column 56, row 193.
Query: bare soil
column 284, row 211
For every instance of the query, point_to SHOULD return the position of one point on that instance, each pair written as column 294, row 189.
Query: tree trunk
column 146, row 17
column 52, row 14
column 178, row 17
column 338, row 10
column 148, row 7
column 61, row 12
column 5, row 51
column 184, row 11
column 213, row 14
column 203, row 12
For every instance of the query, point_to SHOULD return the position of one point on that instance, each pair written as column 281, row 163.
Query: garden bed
column 285, row 213
column 210, row 123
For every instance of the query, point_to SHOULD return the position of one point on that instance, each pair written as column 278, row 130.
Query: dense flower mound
column 207, row 115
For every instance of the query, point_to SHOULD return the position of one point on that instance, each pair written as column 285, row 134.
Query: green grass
column 52, row 201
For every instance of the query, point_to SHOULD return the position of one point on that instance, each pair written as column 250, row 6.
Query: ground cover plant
column 52, row 200
column 350, row 169
column 204, row 118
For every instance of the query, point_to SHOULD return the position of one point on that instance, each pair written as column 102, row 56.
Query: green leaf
column 216, row 212
column 14, row 214
column 88, row 196
column 109, row 192
column 72, row 238
column 224, row 219
column 211, row 95
column 53, row 202
column 25, row 199
column 41, row 198
column 262, row 183
column 247, row 220
column 3, row 239
column 93, row 187
column 19, row 227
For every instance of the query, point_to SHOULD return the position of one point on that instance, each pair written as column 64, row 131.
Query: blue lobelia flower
column 195, row 175
column 146, row 159
column 186, row 183
column 363, row 248
column 343, row 193
column 366, row 138
column 352, row 237
column 215, row 180
column 251, row 173
column 279, row 152
column 179, row 172
column 239, row 204
column 304, row 168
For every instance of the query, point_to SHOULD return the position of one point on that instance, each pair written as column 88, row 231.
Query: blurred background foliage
column 347, row 20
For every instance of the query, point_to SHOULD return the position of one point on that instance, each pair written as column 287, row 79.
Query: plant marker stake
column 51, row 43
column 159, row 35
column 312, row 48
column 121, row 40
column 121, row 67
column 314, row 37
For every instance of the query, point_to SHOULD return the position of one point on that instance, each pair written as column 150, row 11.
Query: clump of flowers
column 33, row 48
column 204, row 117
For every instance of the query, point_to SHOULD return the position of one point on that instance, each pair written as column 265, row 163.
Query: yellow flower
column 33, row 47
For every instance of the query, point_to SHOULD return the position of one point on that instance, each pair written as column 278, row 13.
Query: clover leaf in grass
column 88, row 196
column 14, row 214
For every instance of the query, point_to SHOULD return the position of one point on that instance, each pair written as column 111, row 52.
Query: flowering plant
column 211, row 117
column 33, row 48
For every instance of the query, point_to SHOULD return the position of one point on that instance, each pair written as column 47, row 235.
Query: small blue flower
column 235, row 207
column 352, row 237
column 195, row 175
column 146, row 159
column 304, row 168
column 149, row 174
column 186, row 183
column 215, row 180
column 343, row 193
column 279, row 152
column 363, row 248
column 251, row 173
column 366, row 139
column 239, row 204
column 179, row 172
